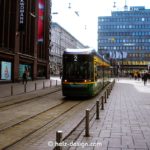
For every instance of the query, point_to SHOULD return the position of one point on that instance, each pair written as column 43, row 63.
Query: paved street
column 125, row 122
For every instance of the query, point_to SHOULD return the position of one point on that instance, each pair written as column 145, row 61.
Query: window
column 77, row 67
column 143, row 19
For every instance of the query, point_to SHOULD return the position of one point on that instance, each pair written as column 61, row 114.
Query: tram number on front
column 75, row 58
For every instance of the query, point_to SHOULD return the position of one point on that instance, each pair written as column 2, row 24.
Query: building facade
column 124, row 38
column 60, row 40
column 24, row 38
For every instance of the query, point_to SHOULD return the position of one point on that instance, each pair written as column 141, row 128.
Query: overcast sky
column 81, row 19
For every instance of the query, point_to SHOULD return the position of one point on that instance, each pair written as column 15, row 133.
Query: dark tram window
column 78, row 67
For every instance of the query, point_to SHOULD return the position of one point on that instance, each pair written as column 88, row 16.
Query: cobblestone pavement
column 125, row 122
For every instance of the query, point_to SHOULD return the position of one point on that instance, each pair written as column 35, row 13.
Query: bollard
column 108, row 90
column 50, row 83
column 56, row 82
column 102, row 108
column 97, row 109
column 43, row 85
column 58, row 140
column 87, row 123
column 105, row 97
column 107, row 93
column 25, row 88
column 35, row 86
column 12, row 90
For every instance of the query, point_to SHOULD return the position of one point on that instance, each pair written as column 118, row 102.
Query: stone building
column 60, row 40
column 24, row 38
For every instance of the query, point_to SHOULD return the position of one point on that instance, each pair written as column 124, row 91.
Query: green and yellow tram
column 85, row 72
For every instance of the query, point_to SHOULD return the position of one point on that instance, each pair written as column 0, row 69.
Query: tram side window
column 107, row 73
column 95, row 74
column 98, row 72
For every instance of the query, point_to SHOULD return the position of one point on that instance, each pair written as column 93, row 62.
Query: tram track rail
column 35, row 123
column 16, row 125
column 23, row 117
column 48, row 119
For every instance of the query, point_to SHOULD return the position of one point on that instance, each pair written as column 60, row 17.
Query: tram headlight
column 65, row 80
column 85, row 80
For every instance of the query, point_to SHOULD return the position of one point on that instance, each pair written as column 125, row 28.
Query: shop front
column 26, row 68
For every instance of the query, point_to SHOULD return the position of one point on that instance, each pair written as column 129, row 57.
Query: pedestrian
column 135, row 75
column 60, row 74
column 138, row 76
column 24, row 78
column 145, row 76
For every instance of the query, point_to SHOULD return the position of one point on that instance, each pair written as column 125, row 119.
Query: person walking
column 24, row 78
column 60, row 74
column 145, row 76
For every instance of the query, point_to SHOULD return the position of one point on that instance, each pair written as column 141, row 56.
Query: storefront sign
column 21, row 15
column 40, row 20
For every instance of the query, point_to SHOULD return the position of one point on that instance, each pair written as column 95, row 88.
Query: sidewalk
column 125, row 122
column 9, row 89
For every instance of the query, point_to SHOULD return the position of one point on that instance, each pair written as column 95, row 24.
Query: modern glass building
column 124, row 37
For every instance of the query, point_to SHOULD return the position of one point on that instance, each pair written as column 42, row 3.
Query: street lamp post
column 60, row 52
column 122, row 63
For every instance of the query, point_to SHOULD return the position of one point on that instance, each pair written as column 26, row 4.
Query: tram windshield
column 77, row 67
